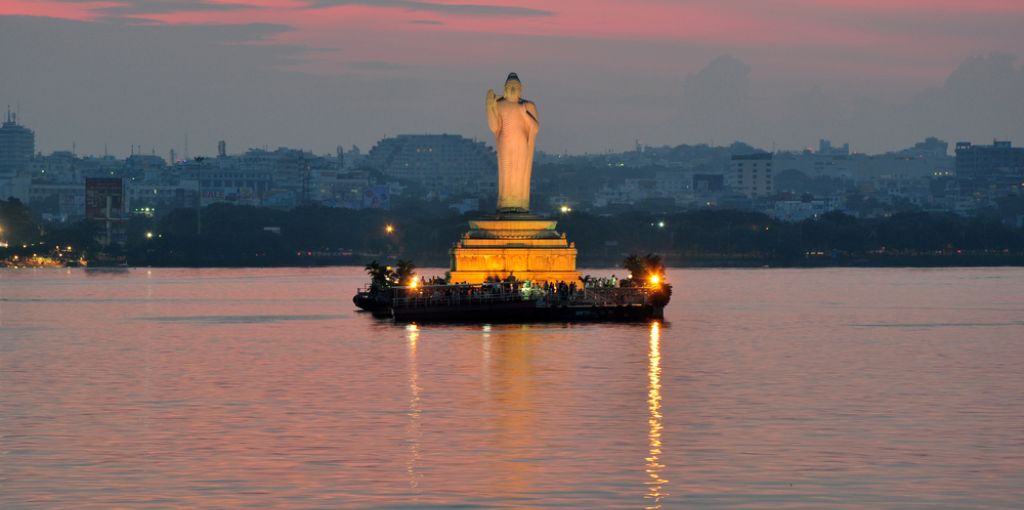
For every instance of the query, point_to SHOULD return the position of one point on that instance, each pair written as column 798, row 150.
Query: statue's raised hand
column 492, row 98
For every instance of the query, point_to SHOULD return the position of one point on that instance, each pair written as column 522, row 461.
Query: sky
column 316, row 74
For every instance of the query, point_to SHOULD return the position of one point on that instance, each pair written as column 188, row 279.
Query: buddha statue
column 513, row 120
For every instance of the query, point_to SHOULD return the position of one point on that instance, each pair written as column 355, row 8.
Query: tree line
column 423, row 232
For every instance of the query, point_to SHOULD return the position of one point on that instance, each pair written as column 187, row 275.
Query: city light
column 565, row 209
column 389, row 229
column 661, row 224
column 149, row 235
column 413, row 282
column 655, row 279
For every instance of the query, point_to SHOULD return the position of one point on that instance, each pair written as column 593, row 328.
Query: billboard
column 104, row 198
column 105, row 204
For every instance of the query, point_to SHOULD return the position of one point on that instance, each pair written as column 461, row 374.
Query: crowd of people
column 591, row 282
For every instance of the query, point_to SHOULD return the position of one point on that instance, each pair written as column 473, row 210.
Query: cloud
column 453, row 9
column 149, row 7
column 426, row 22
column 980, row 98
column 376, row 65
column 95, row 83
column 144, row 7
column 716, row 101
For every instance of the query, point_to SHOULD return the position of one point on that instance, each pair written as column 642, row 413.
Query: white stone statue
column 513, row 120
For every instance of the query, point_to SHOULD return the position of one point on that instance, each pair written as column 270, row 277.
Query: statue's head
column 513, row 87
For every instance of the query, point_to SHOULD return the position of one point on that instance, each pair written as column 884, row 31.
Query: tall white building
column 751, row 174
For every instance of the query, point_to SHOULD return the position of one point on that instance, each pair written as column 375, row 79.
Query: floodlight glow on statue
column 513, row 120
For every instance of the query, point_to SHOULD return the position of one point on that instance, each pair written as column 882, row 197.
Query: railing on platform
column 616, row 296
column 466, row 295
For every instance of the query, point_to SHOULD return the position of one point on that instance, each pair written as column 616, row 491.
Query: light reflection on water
column 761, row 389
column 654, row 466
column 414, row 433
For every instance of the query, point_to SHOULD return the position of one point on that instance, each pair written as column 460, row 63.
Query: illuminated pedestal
column 527, row 248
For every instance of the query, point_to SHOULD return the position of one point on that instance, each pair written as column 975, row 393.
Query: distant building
column 146, row 167
column 708, row 183
column 751, row 174
column 930, row 147
column 105, row 204
column 19, row 187
column 999, row 165
column 441, row 164
column 799, row 210
column 17, row 145
column 66, row 200
column 825, row 148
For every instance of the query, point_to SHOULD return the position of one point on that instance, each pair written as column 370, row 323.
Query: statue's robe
column 515, row 127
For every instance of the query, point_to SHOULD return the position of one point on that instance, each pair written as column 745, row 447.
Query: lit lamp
column 389, row 229
column 655, row 280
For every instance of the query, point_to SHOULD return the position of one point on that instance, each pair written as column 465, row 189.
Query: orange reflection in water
column 654, row 466
column 414, row 434
column 513, row 396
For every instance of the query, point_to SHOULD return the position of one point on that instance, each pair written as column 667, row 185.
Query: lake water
column 838, row 388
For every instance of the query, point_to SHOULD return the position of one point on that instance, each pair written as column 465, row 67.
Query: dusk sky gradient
column 321, row 73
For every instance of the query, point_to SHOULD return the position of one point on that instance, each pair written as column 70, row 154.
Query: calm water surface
column 158, row 388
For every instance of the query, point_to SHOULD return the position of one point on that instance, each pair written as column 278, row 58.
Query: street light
column 389, row 229
column 149, row 235
column 565, row 209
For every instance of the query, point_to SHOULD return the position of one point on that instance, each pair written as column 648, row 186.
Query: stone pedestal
column 523, row 246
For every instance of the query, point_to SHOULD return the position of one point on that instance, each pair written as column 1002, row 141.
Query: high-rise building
column 751, row 174
column 981, row 166
column 17, row 145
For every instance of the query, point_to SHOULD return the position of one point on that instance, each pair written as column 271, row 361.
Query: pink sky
column 935, row 33
column 634, row 54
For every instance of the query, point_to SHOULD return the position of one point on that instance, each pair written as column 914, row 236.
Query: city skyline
column 181, row 153
column 318, row 74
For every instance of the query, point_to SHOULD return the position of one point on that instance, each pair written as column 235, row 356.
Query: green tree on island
column 380, row 276
column 404, row 271
column 643, row 268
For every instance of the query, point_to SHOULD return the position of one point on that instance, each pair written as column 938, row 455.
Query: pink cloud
column 889, row 33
